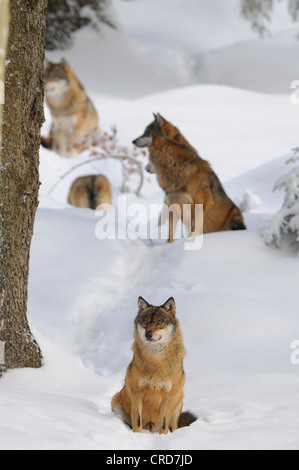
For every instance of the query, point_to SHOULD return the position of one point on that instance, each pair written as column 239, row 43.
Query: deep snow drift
column 163, row 44
column 209, row 42
column 237, row 299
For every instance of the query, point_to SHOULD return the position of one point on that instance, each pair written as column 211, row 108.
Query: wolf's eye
column 145, row 322
column 160, row 322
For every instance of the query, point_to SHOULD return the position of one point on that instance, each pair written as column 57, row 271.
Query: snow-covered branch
column 287, row 219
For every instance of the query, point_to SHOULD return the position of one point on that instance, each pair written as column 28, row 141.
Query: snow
column 204, row 41
column 236, row 298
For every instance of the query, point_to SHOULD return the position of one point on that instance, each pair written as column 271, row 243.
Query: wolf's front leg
column 164, row 417
column 136, row 413
column 174, row 420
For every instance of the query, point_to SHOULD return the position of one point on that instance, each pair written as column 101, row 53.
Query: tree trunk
column 19, row 175
column 4, row 24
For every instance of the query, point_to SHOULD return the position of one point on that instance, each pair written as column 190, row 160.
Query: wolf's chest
column 155, row 384
column 65, row 123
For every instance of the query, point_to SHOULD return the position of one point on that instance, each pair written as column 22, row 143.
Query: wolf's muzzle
column 149, row 335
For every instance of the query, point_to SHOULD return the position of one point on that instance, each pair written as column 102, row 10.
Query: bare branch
column 103, row 146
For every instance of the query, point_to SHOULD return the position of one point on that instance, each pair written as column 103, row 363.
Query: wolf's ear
column 159, row 119
column 64, row 63
column 170, row 306
column 47, row 63
column 142, row 305
column 143, row 141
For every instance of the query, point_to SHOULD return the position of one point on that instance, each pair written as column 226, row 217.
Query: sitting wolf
column 74, row 116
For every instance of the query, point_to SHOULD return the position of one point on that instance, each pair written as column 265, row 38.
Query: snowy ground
column 237, row 299
column 163, row 44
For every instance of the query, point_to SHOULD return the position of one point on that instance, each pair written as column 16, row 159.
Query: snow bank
column 109, row 62
column 254, row 63
column 237, row 307
column 209, row 42
column 163, row 44
column 237, row 299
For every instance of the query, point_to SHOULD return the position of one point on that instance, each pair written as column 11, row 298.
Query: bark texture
column 4, row 24
column 19, row 175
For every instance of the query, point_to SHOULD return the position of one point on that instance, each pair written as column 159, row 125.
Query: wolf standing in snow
column 152, row 397
column 187, row 179
column 74, row 116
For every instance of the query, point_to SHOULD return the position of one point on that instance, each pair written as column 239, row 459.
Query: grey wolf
column 152, row 397
column 188, row 179
column 90, row 192
column 73, row 114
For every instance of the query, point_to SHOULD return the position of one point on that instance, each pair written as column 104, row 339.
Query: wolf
column 188, row 179
column 90, row 192
column 73, row 114
column 160, row 126
column 152, row 397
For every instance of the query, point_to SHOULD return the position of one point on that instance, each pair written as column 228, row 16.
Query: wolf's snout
column 149, row 335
